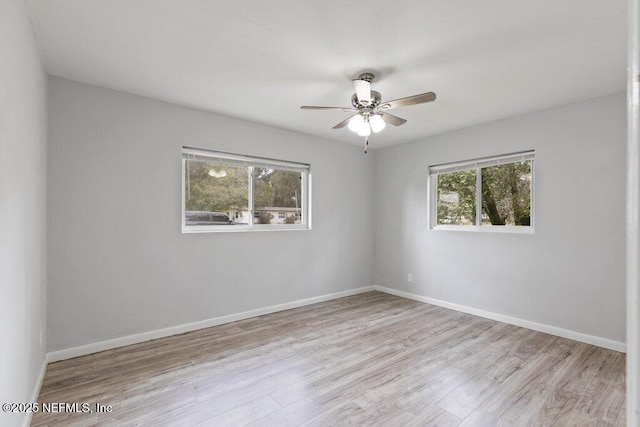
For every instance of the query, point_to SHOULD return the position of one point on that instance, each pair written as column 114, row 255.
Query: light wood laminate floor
column 370, row 359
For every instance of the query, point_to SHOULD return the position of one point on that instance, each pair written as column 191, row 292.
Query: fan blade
column 343, row 123
column 405, row 102
column 313, row 107
column 393, row 120
column 363, row 91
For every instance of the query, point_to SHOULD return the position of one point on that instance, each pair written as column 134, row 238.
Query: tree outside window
column 487, row 192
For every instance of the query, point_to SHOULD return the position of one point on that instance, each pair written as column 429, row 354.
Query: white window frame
column 478, row 165
column 191, row 153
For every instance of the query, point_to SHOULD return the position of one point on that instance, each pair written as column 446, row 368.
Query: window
column 490, row 194
column 231, row 192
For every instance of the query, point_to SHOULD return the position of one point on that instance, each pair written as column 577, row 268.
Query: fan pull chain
column 366, row 144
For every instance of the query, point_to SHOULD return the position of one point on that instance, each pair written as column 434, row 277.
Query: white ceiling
column 261, row 60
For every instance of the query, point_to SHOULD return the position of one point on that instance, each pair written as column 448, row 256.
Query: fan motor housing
column 376, row 98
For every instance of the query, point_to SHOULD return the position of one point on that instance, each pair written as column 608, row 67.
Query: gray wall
column 118, row 262
column 570, row 273
column 23, row 210
column 119, row 265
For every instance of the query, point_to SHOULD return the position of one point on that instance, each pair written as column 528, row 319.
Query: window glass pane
column 223, row 191
column 506, row 194
column 275, row 191
column 456, row 198
column 215, row 194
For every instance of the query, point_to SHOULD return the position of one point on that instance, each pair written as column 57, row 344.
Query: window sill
column 485, row 229
column 241, row 229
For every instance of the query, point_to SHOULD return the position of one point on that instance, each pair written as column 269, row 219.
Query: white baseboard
column 83, row 350
column 188, row 327
column 36, row 391
column 540, row 327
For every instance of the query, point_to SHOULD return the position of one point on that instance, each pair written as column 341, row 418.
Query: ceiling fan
column 370, row 112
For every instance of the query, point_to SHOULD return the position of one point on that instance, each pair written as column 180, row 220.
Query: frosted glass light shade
column 377, row 124
column 365, row 129
column 356, row 123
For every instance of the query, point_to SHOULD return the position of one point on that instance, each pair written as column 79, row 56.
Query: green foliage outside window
column 506, row 196
column 457, row 198
column 215, row 187
column 264, row 218
column 219, row 187
column 275, row 187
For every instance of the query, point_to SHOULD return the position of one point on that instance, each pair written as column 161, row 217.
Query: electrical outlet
column 409, row 277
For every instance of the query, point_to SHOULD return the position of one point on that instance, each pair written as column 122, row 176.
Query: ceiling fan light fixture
column 369, row 110
column 377, row 123
column 356, row 123
column 365, row 130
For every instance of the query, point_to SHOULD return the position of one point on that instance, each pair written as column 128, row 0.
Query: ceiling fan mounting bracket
column 367, row 77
